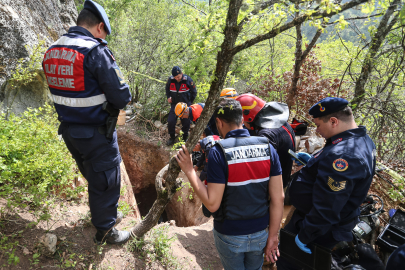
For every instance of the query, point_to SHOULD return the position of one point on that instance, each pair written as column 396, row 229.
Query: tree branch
column 193, row 6
column 298, row 20
column 357, row 18
column 382, row 30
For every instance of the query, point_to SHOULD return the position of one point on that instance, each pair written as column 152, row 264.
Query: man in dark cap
column 328, row 191
column 179, row 88
column 82, row 75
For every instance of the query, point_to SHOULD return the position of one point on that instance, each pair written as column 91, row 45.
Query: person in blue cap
column 328, row 191
column 179, row 88
column 82, row 75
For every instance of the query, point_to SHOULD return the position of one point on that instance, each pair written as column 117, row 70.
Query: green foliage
column 8, row 246
column 177, row 145
column 34, row 162
column 27, row 69
column 155, row 245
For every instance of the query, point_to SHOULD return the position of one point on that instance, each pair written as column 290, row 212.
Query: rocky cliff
column 25, row 22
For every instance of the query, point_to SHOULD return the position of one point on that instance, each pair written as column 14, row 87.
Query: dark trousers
column 98, row 160
column 293, row 226
column 171, row 123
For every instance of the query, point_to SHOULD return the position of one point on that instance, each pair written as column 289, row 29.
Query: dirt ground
column 193, row 247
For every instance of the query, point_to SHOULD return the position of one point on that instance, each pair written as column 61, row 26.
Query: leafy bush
column 34, row 162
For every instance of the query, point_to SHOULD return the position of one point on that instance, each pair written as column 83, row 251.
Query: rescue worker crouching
column 270, row 120
column 179, row 88
column 242, row 172
column 193, row 113
column 328, row 191
column 82, row 74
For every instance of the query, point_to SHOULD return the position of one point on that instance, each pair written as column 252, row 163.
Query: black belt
column 342, row 223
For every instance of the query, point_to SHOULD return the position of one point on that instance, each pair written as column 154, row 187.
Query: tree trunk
column 299, row 60
column 166, row 190
column 224, row 60
column 382, row 31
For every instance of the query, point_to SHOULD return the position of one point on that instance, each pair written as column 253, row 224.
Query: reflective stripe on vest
column 248, row 164
column 173, row 87
column 76, row 99
column 79, row 102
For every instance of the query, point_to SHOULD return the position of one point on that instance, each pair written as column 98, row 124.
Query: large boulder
column 26, row 23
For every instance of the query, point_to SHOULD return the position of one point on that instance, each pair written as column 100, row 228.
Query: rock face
column 25, row 23
column 128, row 194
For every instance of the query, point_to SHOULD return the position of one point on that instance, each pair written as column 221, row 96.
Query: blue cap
column 99, row 11
column 176, row 71
column 327, row 106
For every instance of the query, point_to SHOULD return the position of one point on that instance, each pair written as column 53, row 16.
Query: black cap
column 176, row 71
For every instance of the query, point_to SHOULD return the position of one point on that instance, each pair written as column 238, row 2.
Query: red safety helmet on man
column 251, row 106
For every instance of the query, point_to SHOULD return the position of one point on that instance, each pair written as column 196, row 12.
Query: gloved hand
column 302, row 246
column 303, row 156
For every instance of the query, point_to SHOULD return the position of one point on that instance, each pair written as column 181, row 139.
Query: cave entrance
column 145, row 199
column 143, row 160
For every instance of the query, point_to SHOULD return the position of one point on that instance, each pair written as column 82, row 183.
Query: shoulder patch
column 191, row 83
column 120, row 76
column 337, row 141
column 340, row 165
column 335, row 185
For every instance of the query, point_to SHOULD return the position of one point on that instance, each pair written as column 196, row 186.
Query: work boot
column 113, row 236
column 185, row 137
column 171, row 140
column 120, row 216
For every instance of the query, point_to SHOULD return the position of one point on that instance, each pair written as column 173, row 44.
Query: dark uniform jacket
column 183, row 91
column 332, row 186
column 282, row 139
column 82, row 73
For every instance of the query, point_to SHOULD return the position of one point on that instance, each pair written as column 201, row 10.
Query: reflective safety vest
column 246, row 194
column 76, row 93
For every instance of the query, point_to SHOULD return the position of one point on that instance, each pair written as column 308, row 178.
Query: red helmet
column 251, row 105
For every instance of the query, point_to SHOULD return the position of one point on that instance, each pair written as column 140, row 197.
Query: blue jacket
column 332, row 186
column 82, row 74
column 183, row 91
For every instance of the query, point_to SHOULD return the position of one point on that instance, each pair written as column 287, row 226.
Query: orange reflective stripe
column 289, row 133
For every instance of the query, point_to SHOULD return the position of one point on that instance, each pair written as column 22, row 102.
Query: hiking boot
column 185, row 137
column 120, row 216
column 171, row 141
column 112, row 236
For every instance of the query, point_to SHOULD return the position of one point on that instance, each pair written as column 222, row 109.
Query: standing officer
column 82, row 74
column 179, row 88
column 243, row 171
column 270, row 120
column 328, row 191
